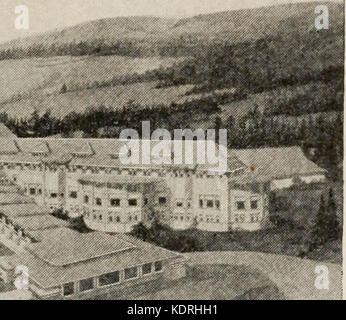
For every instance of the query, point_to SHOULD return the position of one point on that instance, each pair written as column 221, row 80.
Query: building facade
column 85, row 177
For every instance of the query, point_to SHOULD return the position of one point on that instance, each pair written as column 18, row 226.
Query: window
column 162, row 200
column 73, row 194
column 240, row 205
column 100, row 217
column 68, row 289
column 109, row 278
column 98, row 201
column 179, row 204
column 132, row 202
column 254, row 218
column 115, row 202
column 146, row 268
column 239, row 218
column 86, row 199
column 210, row 204
column 254, row 204
column 53, row 195
column 86, row 284
column 131, row 273
column 32, row 191
column 118, row 219
column 217, row 204
column 200, row 203
column 110, row 219
column 39, row 191
column 158, row 266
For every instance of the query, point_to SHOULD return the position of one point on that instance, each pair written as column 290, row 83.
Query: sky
column 46, row 15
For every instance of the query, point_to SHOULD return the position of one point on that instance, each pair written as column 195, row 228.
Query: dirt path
column 295, row 277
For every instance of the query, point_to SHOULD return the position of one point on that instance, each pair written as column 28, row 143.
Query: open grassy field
column 43, row 76
column 116, row 97
column 294, row 277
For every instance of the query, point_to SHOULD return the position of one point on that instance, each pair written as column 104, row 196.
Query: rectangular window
column 210, row 204
column 68, row 289
column 53, row 195
column 146, row 268
column 158, row 266
column 115, row 202
column 132, row 202
column 109, row 278
column 200, row 203
column 73, row 194
column 179, row 204
column 98, row 201
column 240, row 205
column 86, row 284
column 131, row 273
column 32, row 191
column 217, row 204
column 254, row 204
column 254, row 218
column 162, row 200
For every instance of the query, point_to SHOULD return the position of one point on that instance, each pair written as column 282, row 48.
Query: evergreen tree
column 333, row 226
column 318, row 234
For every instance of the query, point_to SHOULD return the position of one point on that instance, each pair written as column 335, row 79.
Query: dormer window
column 81, row 155
column 39, row 154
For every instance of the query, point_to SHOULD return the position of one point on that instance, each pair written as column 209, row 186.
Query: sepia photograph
column 155, row 150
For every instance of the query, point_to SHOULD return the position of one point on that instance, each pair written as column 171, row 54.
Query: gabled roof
column 5, row 132
column 22, row 209
column 106, row 153
column 38, row 222
column 65, row 246
column 266, row 164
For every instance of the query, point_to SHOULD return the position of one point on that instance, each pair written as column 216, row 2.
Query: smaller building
column 65, row 263
column 69, row 264
column 279, row 167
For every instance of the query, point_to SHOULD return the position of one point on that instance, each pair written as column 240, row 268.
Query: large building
column 63, row 263
column 85, row 177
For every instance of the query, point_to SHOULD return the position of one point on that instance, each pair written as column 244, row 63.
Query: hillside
column 30, row 78
column 243, row 25
column 110, row 30
column 232, row 26
column 258, row 50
